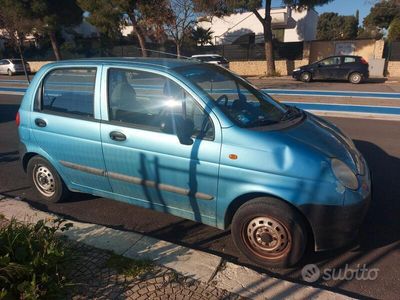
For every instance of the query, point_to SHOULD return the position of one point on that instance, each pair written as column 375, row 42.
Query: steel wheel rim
column 356, row 78
column 306, row 76
column 44, row 180
column 267, row 237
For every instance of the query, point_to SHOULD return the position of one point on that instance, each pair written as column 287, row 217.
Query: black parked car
column 342, row 67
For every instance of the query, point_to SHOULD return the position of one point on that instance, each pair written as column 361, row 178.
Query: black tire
column 355, row 78
column 46, row 181
column 305, row 77
column 9, row 72
column 269, row 232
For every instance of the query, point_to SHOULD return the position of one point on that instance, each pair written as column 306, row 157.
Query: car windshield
column 240, row 101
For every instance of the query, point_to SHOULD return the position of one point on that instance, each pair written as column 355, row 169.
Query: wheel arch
column 26, row 158
column 240, row 200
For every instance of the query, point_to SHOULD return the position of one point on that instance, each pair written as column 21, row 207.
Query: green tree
column 394, row 30
column 332, row 26
column 230, row 6
column 109, row 16
column 382, row 14
column 202, row 36
column 51, row 16
column 16, row 23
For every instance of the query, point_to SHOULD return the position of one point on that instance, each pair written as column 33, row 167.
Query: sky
column 342, row 7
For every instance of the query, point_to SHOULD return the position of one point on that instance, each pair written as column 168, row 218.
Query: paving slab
column 190, row 263
column 251, row 284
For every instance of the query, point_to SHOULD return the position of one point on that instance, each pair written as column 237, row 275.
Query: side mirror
column 176, row 124
column 184, row 131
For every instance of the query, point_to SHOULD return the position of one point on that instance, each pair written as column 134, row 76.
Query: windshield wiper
column 292, row 112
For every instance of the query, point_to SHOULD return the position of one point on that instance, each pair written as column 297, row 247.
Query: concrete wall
column 298, row 25
column 304, row 27
column 259, row 67
column 393, row 68
column 36, row 65
column 368, row 49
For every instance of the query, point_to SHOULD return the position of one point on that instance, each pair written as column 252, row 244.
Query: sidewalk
column 178, row 272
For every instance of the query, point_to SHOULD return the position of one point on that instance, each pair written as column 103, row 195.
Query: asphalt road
column 378, row 245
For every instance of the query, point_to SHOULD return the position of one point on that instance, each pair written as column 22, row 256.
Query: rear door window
column 69, row 91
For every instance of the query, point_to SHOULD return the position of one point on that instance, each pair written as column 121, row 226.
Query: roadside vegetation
column 33, row 259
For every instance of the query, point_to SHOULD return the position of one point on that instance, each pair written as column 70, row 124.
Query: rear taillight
column 17, row 119
column 363, row 61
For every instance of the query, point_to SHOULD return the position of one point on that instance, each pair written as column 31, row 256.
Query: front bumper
column 335, row 226
column 296, row 74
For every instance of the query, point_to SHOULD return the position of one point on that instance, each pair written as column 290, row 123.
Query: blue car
column 196, row 141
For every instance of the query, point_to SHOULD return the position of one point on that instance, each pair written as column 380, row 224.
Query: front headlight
column 295, row 70
column 344, row 174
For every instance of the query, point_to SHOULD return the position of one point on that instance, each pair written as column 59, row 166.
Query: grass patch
column 129, row 267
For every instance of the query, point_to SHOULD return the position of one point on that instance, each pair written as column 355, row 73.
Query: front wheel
column 9, row 72
column 269, row 232
column 46, row 181
column 305, row 77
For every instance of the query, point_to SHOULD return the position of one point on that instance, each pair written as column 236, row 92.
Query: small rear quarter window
column 69, row 91
column 349, row 60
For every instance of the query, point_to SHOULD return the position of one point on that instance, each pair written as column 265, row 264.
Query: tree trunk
column 269, row 49
column 22, row 58
column 139, row 34
column 178, row 50
column 54, row 44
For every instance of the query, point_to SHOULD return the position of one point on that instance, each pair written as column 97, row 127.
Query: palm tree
column 202, row 36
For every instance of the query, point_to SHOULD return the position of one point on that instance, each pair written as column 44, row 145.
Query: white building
column 296, row 25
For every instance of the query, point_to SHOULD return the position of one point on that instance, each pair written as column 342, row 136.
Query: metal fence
column 392, row 51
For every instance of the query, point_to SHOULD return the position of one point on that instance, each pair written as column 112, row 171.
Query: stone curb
column 190, row 263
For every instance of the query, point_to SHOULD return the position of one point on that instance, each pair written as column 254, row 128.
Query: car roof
column 205, row 55
column 161, row 63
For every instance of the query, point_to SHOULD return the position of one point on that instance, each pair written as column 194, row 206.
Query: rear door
column 348, row 64
column 146, row 163
column 65, row 125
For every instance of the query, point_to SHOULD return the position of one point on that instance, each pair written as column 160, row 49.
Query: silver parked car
column 13, row 66
column 215, row 59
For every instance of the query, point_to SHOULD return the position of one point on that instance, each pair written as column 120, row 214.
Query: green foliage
column 31, row 260
column 394, row 30
column 54, row 15
column 332, row 26
column 129, row 267
column 382, row 14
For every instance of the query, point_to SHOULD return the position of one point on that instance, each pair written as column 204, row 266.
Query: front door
column 64, row 124
column 146, row 163
column 328, row 68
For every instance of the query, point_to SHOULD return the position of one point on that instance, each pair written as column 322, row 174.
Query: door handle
column 117, row 136
column 40, row 122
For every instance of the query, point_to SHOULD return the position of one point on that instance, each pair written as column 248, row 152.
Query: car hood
column 324, row 137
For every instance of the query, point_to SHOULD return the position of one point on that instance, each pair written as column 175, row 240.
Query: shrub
column 32, row 260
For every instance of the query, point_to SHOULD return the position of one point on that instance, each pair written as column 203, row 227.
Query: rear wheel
column 9, row 72
column 355, row 78
column 305, row 77
column 46, row 181
column 269, row 232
